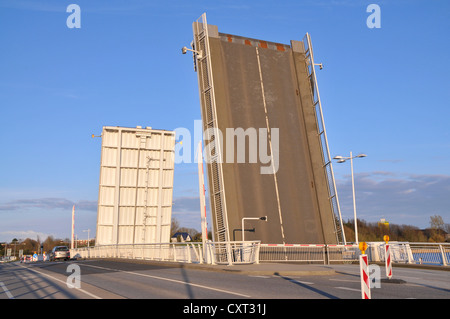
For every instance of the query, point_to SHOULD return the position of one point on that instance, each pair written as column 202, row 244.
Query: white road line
column 351, row 289
column 270, row 146
column 7, row 292
column 302, row 282
column 171, row 280
column 344, row 280
column 61, row 281
column 413, row 285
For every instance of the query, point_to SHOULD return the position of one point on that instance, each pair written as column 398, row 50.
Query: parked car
column 59, row 252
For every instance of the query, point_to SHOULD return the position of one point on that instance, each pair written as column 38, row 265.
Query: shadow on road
column 318, row 291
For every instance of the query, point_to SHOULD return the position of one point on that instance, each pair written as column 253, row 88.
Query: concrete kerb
column 418, row 266
column 262, row 269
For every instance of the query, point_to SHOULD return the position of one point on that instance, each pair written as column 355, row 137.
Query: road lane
column 113, row 279
column 232, row 293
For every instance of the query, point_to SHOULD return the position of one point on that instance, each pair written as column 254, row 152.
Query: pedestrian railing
column 309, row 253
column 249, row 252
column 423, row 253
column 342, row 253
column 430, row 253
column 212, row 253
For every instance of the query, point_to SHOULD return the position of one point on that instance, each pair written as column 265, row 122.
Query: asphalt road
column 105, row 279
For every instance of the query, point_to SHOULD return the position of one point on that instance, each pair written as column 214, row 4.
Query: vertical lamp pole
column 342, row 159
column 73, row 227
column 88, row 231
column 264, row 218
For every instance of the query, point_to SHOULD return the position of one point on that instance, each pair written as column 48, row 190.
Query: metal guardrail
column 402, row 252
column 415, row 253
column 430, row 253
column 233, row 253
column 249, row 252
column 230, row 253
column 292, row 252
column 163, row 252
column 343, row 253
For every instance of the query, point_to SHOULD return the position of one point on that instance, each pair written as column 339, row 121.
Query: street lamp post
column 342, row 159
column 88, row 231
column 253, row 218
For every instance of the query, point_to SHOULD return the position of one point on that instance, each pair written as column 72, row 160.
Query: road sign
column 363, row 247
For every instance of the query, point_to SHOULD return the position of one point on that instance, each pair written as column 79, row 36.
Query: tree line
column 374, row 231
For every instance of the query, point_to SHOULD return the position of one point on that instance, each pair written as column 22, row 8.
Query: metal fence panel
column 232, row 253
column 297, row 253
column 343, row 253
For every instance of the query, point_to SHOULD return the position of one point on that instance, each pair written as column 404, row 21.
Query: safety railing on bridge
column 229, row 253
column 401, row 252
column 182, row 252
column 342, row 253
column 249, row 252
column 292, row 252
column 430, row 253
column 414, row 253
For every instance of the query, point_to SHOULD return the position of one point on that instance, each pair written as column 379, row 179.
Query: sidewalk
column 269, row 269
column 262, row 269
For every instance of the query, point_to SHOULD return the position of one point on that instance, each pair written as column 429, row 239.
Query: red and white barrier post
column 364, row 271
column 388, row 258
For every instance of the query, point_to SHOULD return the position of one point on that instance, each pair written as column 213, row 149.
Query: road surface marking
column 10, row 296
column 413, row 285
column 301, row 282
column 270, row 146
column 61, row 281
column 171, row 280
column 351, row 289
column 344, row 280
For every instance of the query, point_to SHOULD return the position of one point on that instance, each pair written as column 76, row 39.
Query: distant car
column 59, row 252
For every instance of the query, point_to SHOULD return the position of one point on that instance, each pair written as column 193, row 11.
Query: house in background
column 180, row 237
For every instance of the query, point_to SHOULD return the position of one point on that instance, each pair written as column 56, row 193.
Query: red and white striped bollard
column 364, row 272
column 388, row 258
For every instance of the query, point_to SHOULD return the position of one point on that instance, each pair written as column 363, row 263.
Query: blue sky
column 385, row 92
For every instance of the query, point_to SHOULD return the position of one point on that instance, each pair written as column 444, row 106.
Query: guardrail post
column 228, row 248
column 174, row 252
column 444, row 260
column 188, row 253
column 211, row 254
column 200, row 250
column 409, row 253
column 258, row 247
